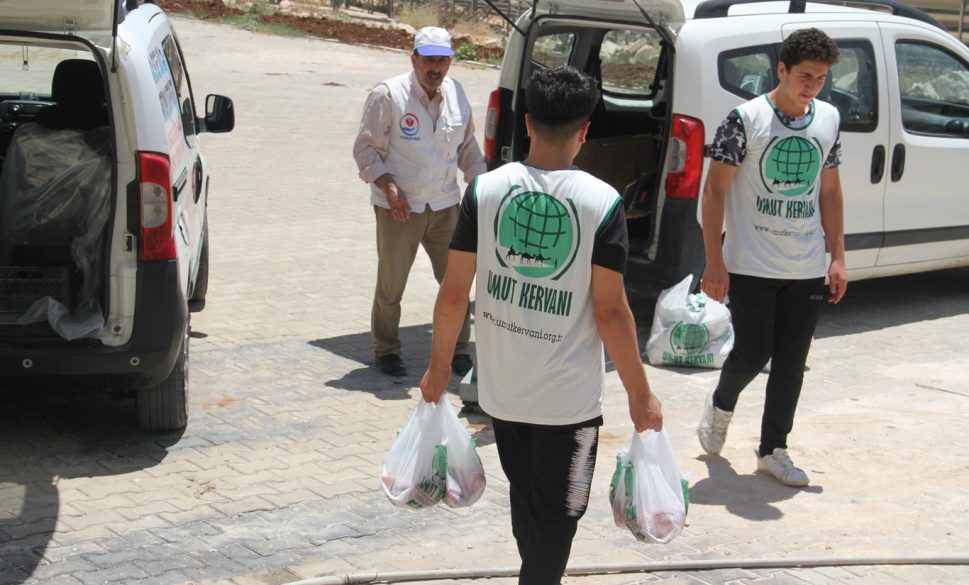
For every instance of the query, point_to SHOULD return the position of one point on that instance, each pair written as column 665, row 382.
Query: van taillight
column 685, row 158
column 155, row 193
column 491, row 127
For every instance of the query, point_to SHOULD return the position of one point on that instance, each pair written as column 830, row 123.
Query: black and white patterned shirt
column 730, row 141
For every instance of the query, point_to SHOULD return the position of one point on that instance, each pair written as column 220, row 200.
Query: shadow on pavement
column 415, row 351
column 53, row 434
column 870, row 305
column 415, row 343
column 748, row 496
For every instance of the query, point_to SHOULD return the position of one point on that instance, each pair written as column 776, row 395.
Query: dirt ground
column 330, row 28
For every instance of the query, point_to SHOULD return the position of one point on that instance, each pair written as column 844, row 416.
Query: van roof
column 721, row 8
column 675, row 12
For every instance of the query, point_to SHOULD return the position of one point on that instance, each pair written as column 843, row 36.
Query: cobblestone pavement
column 275, row 478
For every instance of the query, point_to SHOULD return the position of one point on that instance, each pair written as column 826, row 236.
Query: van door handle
column 877, row 164
column 179, row 184
column 898, row 162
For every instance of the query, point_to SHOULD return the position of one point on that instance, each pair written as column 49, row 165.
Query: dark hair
column 809, row 44
column 560, row 100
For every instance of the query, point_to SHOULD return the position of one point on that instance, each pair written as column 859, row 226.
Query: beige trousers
column 397, row 243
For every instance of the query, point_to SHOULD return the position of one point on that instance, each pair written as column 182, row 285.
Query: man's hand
column 396, row 198
column 434, row 384
column 715, row 282
column 837, row 281
column 646, row 411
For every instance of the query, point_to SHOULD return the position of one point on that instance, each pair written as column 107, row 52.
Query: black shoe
column 461, row 364
column 391, row 364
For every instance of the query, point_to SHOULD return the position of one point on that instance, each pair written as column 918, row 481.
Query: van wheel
column 202, row 276
column 164, row 407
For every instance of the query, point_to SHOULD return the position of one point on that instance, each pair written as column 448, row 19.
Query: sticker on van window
column 158, row 63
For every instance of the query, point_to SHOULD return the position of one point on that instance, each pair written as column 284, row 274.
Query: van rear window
column 554, row 49
column 628, row 60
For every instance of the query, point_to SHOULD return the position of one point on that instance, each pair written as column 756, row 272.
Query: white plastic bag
column 432, row 459
column 465, row 474
column 648, row 493
column 415, row 471
column 689, row 329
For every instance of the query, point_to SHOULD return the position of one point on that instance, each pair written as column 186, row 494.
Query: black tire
column 164, row 407
column 201, row 285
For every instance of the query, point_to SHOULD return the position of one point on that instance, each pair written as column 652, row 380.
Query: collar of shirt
column 431, row 105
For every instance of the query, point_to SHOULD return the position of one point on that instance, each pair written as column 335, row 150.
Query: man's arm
column 617, row 328
column 831, row 200
column 449, row 311
column 470, row 160
column 396, row 198
column 373, row 138
column 715, row 281
column 371, row 146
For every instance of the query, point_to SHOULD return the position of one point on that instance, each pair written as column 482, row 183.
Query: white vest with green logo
column 540, row 356
column 772, row 218
column 423, row 157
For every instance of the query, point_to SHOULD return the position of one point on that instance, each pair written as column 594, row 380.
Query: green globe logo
column 689, row 338
column 535, row 235
column 791, row 166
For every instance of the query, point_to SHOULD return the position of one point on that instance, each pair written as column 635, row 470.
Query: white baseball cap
column 433, row 41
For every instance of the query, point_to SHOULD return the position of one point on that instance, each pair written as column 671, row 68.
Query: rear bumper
column 161, row 316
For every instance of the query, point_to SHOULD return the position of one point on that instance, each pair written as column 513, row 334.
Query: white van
column 671, row 71
column 103, row 190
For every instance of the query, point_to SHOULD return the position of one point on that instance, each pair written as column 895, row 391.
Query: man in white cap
column 415, row 134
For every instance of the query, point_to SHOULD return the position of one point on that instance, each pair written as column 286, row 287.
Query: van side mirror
column 219, row 114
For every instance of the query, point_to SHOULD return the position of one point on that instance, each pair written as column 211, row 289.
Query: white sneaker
column 712, row 431
column 779, row 465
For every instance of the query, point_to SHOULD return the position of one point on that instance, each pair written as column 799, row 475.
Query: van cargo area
column 55, row 195
column 635, row 141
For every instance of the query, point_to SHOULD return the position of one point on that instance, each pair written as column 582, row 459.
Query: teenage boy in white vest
column 547, row 245
column 415, row 134
column 773, row 188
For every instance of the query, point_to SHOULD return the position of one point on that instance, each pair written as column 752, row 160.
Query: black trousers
column 773, row 320
column 549, row 470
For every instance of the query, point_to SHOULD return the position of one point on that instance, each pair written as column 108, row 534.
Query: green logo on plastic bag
column 689, row 338
column 431, row 489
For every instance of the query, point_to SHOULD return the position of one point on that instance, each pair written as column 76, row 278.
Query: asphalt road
column 275, row 478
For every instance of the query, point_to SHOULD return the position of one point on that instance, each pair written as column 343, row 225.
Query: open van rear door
column 94, row 20
column 668, row 12
column 87, row 19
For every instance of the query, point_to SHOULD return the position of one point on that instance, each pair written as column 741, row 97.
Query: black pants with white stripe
column 549, row 470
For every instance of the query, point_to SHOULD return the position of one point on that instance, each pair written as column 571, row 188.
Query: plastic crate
column 21, row 286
